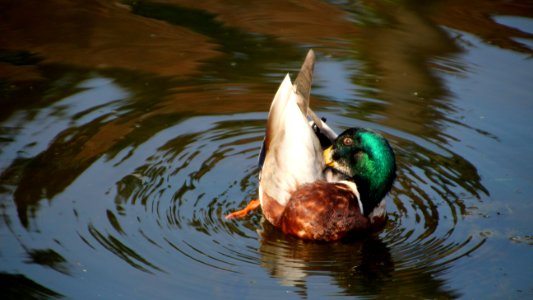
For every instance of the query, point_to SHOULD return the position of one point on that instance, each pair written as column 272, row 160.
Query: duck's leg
column 243, row 212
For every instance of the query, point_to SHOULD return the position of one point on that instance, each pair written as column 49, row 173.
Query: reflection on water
column 359, row 267
column 128, row 131
column 101, row 35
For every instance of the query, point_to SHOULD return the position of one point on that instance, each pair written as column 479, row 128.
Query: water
column 128, row 130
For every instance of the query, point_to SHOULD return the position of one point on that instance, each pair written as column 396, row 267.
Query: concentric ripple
column 149, row 193
column 179, row 188
column 189, row 184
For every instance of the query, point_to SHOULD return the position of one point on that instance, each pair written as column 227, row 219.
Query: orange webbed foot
column 243, row 212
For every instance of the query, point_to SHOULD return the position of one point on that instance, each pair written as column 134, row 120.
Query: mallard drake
column 313, row 183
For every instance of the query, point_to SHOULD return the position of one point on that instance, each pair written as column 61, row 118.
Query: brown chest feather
column 322, row 211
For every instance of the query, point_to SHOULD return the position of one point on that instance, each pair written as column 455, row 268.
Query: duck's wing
column 292, row 153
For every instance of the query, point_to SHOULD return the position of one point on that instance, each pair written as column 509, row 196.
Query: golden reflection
column 477, row 17
column 299, row 22
column 397, row 59
column 102, row 34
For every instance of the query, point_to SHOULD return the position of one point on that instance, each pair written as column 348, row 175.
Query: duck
column 315, row 184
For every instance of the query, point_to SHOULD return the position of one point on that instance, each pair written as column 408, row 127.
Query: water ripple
column 175, row 200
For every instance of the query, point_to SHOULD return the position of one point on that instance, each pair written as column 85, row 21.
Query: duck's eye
column 347, row 141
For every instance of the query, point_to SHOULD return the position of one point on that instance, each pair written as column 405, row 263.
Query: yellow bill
column 327, row 156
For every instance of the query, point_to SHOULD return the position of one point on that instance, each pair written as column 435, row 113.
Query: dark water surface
column 128, row 130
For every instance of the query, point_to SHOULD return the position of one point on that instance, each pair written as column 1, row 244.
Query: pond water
column 129, row 129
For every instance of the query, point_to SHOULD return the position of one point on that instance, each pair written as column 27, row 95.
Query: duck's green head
column 365, row 157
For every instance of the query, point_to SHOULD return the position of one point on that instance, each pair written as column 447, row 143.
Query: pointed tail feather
column 303, row 81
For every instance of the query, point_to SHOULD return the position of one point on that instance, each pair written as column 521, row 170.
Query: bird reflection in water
column 358, row 265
